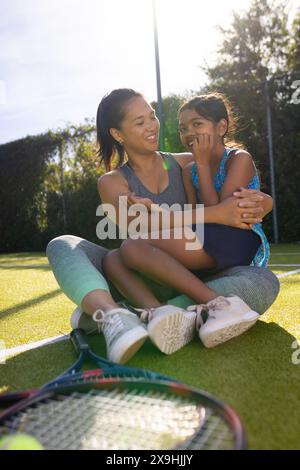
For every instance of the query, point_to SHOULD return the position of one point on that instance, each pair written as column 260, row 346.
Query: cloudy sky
column 59, row 57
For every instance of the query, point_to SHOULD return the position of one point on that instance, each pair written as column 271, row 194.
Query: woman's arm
column 183, row 158
column 112, row 186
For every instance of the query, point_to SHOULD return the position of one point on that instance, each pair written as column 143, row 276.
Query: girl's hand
column 250, row 201
column 202, row 148
column 133, row 199
column 229, row 213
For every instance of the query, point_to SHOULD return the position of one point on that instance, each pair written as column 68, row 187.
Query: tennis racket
column 119, row 407
column 74, row 373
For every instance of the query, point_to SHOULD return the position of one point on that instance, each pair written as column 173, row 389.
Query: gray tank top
column 174, row 193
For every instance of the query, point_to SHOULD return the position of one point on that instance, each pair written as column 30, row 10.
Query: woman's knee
column 57, row 244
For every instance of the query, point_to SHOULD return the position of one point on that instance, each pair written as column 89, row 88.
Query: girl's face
column 192, row 124
column 140, row 127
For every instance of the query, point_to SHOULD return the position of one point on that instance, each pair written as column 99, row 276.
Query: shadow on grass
column 26, row 256
column 254, row 373
column 29, row 303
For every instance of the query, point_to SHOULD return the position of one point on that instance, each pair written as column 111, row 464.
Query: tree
column 258, row 48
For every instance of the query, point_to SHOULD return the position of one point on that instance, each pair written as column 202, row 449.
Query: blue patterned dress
column 263, row 253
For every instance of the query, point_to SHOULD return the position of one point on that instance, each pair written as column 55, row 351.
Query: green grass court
column 254, row 373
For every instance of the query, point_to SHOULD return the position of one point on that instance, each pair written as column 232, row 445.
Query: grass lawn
column 254, row 372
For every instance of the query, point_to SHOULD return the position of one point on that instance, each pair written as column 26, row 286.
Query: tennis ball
column 19, row 442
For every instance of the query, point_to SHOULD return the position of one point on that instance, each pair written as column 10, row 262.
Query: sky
column 58, row 58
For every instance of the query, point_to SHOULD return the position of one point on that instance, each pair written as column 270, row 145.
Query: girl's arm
column 249, row 200
column 202, row 148
column 188, row 185
column 240, row 171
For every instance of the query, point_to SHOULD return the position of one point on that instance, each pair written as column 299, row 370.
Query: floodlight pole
column 271, row 161
column 158, row 82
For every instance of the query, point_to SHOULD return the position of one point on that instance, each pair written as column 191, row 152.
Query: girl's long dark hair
column 110, row 114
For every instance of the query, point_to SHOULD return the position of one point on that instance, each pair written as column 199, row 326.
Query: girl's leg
column 127, row 282
column 167, row 261
column 232, row 318
column 170, row 328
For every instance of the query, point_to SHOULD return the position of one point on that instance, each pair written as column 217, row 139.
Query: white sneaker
column 124, row 333
column 227, row 318
column 80, row 319
column 170, row 328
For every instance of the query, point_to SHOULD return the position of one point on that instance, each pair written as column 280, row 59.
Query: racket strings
column 214, row 434
column 117, row 420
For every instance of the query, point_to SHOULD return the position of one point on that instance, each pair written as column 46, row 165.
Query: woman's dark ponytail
column 110, row 114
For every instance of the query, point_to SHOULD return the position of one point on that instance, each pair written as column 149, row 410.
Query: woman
column 126, row 123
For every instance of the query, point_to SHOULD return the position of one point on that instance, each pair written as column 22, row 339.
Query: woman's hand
column 133, row 199
column 202, row 148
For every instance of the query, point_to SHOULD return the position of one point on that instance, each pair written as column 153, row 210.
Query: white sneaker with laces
column 123, row 331
column 85, row 322
column 227, row 317
column 169, row 327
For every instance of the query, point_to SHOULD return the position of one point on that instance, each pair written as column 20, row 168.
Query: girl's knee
column 110, row 260
column 132, row 251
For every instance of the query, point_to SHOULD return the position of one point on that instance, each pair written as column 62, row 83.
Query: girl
column 214, row 175
column 217, row 171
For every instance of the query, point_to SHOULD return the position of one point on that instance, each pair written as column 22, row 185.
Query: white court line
column 284, row 254
column 288, row 265
column 27, row 347
column 56, row 339
column 289, row 273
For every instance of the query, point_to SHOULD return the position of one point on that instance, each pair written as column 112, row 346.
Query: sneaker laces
column 146, row 314
column 211, row 306
column 110, row 322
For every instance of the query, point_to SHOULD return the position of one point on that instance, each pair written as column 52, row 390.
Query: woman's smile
column 152, row 138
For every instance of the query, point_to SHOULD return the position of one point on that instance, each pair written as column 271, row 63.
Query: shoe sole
column 128, row 344
column 173, row 331
column 233, row 329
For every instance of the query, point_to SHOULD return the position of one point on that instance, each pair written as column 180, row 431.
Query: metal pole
column 271, row 161
column 158, row 83
column 62, row 183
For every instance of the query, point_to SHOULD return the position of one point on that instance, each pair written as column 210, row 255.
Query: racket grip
column 79, row 341
column 10, row 398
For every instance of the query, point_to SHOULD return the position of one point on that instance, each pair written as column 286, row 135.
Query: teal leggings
column 77, row 267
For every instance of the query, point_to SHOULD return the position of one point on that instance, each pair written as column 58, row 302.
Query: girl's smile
column 191, row 125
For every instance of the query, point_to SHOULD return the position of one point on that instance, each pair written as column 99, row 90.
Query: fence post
column 271, row 161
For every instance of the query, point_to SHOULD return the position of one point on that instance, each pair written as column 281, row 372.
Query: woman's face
column 191, row 124
column 140, row 127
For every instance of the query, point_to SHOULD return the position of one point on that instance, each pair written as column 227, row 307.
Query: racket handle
column 79, row 341
column 11, row 398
